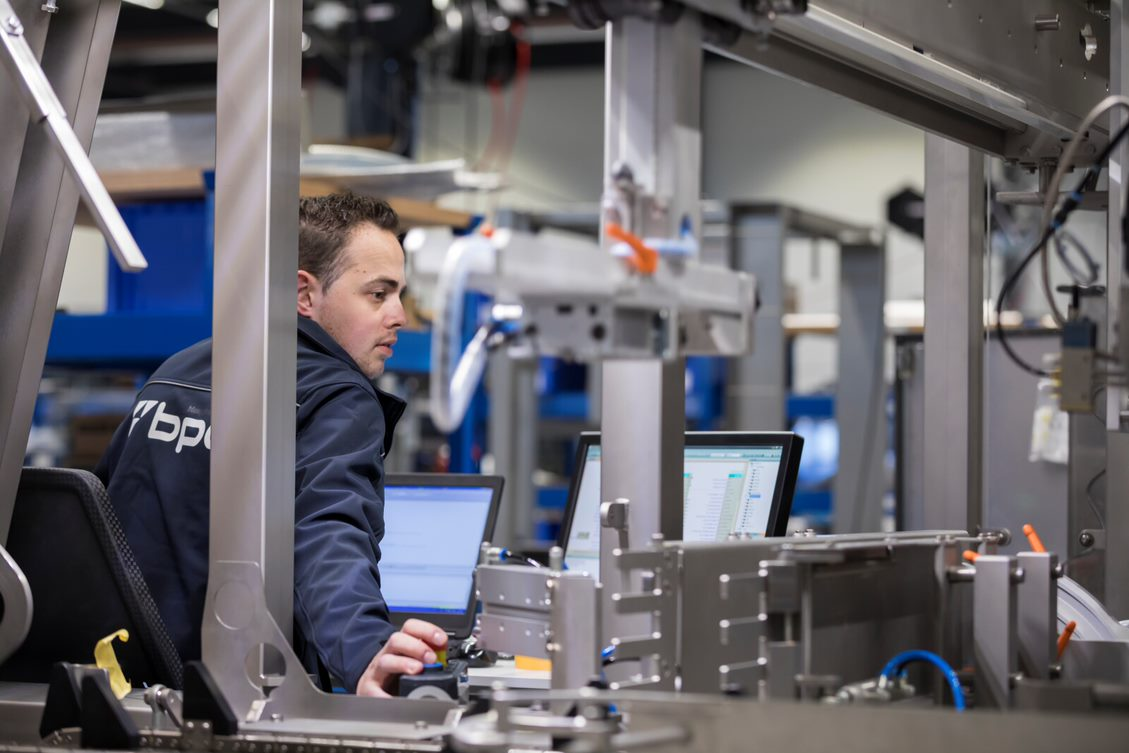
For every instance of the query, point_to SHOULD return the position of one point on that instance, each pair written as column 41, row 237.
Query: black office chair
column 84, row 582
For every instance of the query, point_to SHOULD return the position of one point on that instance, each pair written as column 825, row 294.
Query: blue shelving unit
column 144, row 340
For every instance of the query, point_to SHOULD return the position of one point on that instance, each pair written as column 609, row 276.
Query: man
column 350, row 308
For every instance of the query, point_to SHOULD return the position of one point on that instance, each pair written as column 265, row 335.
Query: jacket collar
column 322, row 340
column 392, row 406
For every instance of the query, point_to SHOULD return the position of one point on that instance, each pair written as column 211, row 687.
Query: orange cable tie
column 1064, row 639
column 646, row 259
column 1033, row 538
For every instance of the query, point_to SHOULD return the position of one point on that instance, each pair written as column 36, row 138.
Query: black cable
column 1087, row 183
column 1009, row 283
column 1090, row 498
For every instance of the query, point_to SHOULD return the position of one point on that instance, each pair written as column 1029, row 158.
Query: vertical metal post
column 512, row 427
column 994, row 629
column 653, row 110
column 955, row 220
column 1117, row 524
column 37, row 212
column 1117, row 328
column 512, row 433
column 757, row 391
column 860, row 397
column 253, row 353
column 1037, row 606
column 1117, row 282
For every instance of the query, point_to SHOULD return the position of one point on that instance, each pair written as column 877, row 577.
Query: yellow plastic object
column 105, row 658
column 441, row 656
column 532, row 662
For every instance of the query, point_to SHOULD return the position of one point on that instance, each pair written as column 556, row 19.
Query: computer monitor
column 434, row 525
column 733, row 482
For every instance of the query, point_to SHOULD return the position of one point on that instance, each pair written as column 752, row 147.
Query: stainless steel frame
column 652, row 112
column 860, row 398
column 256, row 264
column 757, row 388
column 37, row 218
column 663, row 722
column 1117, row 328
column 978, row 73
column 955, row 226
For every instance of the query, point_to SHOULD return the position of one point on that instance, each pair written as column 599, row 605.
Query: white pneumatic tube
column 452, row 386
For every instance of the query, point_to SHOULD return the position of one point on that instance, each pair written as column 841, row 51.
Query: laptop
column 733, row 483
column 434, row 526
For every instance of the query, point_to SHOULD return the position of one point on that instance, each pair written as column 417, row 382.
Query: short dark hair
column 326, row 223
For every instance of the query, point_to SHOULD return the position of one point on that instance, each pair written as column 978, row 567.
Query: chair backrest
column 84, row 582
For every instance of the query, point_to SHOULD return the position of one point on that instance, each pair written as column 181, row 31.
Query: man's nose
column 399, row 316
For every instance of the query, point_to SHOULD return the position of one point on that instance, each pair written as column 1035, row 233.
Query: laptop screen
column 432, row 535
column 731, row 484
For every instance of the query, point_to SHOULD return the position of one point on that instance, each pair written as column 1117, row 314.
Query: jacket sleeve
column 339, row 522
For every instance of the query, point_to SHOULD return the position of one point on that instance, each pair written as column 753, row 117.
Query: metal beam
column 1117, row 331
column 14, row 123
column 256, row 264
column 40, row 214
column 803, row 64
column 653, row 110
column 955, row 223
column 860, row 399
column 756, row 391
column 512, row 430
column 1117, row 525
column 978, row 73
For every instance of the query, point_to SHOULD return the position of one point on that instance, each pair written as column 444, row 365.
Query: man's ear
column 309, row 293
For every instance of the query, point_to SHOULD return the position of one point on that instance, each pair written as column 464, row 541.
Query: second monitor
column 733, row 482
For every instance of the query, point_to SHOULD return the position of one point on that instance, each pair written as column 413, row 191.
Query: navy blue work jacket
column 157, row 472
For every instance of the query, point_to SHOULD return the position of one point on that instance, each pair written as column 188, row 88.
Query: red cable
column 517, row 102
column 497, row 126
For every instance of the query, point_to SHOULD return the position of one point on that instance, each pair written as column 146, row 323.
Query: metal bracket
column 614, row 514
column 237, row 626
column 659, row 599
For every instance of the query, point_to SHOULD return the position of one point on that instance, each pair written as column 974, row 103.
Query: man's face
column 362, row 309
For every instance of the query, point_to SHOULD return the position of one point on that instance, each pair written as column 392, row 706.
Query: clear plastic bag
column 1050, row 427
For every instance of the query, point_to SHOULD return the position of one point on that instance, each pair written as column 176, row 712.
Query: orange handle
column 646, row 259
column 970, row 556
column 1033, row 538
column 1065, row 637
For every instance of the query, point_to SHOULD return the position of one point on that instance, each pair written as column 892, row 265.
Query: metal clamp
column 614, row 514
column 165, row 701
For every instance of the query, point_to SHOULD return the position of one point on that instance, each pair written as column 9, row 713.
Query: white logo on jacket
column 185, row 431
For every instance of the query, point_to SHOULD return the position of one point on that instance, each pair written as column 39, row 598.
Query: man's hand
column 405, row 653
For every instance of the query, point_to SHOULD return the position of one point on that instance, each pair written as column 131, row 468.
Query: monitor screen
column 432, row 536
column 726, row 490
